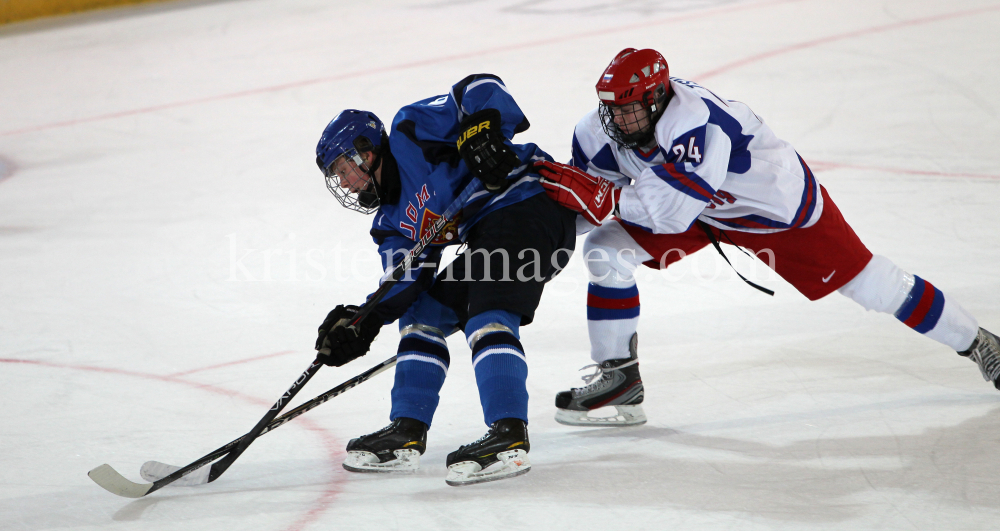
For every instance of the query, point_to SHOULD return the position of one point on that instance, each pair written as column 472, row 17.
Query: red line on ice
column 231, row 363
column 843, row 36
column 396, row 67
column 823, row 166
column 330, row 443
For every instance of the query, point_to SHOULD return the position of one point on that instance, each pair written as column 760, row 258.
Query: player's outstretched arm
column 577, row 190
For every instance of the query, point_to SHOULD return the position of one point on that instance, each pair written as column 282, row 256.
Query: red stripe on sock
column 611, row 304
column 926, row 300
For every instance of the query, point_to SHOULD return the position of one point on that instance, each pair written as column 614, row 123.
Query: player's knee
column 428, row 313
column 607, row 261
column 880, row 286
column 492, row 321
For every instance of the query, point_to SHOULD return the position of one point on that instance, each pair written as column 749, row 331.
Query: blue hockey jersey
column 432, row 174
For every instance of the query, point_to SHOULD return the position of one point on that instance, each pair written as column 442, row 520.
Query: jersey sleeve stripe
column 580, row 159
column 810, row 194
column 684, row 181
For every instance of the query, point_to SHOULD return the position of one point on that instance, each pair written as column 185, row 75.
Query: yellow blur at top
column 17, row 10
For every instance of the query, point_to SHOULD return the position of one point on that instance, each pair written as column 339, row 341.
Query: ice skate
column 985, row 351
column 501, row 453
column 395, row 448
column 618, row 384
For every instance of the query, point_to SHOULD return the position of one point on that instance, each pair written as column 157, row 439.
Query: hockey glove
column 482, row 146
column 577, row 190
column 339, row 344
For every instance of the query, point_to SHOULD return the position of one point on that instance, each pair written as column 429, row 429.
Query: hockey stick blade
column 105, row 476
column 194, row 474
column 117, row 484
column 220, row 466
column 110, row 480
column 155, row 470
column 412, row 259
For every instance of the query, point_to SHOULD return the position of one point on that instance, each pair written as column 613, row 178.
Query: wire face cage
column 348, row 180
column 630, row 125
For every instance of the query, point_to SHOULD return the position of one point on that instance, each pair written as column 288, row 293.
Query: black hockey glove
column 481, row 144
column 339, row 344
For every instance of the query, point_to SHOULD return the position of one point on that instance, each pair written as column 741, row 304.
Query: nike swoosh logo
column 827, row 279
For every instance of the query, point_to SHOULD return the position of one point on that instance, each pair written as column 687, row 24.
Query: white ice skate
column 616, row 383
column 406, row 461
column 501, row 453
column 510, row 464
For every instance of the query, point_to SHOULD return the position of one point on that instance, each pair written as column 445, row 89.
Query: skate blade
column 153, row 471
column 512, row 463
column 626, row 416
column 406, row 461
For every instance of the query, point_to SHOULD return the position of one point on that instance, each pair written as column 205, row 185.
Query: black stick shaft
column 237, row 447
column 274, row 424
column 248, row 439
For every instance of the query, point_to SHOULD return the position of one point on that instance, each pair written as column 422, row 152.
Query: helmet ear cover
column 655, row 99
column 363, row 144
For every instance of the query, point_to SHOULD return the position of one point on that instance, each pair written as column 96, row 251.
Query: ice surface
column 167, row 249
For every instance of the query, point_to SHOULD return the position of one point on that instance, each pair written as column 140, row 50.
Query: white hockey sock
column 612, row 256
column 612, row 317
column 885, row 288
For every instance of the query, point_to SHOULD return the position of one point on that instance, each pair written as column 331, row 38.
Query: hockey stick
column 109, row 478
column 388, row 282
column 105, row 475
column 155, row 471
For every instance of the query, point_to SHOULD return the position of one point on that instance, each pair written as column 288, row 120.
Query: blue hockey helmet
column 351, row 180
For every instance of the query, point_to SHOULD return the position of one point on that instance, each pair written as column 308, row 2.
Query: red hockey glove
column 577, row 190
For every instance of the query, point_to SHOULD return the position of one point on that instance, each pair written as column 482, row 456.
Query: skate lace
column 599, row 373
column 477, row 441
column 987, row 357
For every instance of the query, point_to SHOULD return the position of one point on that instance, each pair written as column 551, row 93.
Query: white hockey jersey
column 715, row 160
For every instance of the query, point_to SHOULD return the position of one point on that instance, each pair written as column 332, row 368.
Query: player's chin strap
column 715, row 242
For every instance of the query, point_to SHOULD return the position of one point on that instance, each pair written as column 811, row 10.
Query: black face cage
column 654, row 102
column 365, row 201
column 631, row 141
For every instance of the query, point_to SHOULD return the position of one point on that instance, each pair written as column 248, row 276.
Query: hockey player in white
column 682, row 168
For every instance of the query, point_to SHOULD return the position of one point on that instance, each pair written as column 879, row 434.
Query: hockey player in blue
column 517, row 238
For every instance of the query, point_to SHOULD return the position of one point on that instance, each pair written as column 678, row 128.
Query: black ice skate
column 395, row 448
column 501, row 453
column 985, row 351
column 618, row 384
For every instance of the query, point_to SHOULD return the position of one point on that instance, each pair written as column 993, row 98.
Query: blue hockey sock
column 499, row 363
column 421, row 366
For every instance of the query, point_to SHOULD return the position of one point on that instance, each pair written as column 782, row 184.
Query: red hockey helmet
column 634, row 91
